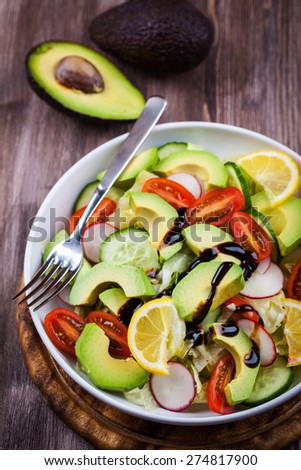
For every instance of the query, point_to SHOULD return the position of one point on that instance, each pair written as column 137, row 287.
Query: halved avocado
column 79, row 81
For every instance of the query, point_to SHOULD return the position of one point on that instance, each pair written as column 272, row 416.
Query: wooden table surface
column 251, row 78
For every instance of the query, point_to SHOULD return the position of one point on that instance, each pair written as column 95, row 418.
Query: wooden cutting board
column 108, row 428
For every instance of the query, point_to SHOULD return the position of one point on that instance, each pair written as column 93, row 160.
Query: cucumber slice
column 263, row 221
column 85, row 195
column 237, row 179
column 173, row 147
column 170, row 148
column 129, row 246
column 194, row 147
column 271, row 382
column 87, row 192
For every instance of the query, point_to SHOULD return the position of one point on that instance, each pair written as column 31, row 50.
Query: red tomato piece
column 114, row 329
column 243, row 308
column 171, row 191
column 215, row 207
column 63, row 328
column 222, row 375
column 105, row 208
column 250, row 235
column 294, row 282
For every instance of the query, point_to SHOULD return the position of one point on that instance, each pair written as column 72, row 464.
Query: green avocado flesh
column 239, row 345
column 206, row 166
column 115, row 99
column 191, row 293
column 285, row 221
column 132, row 280
column 201, row 237
column 154, row 214
column 104, row 371
column 143, row 161
column 113, row 299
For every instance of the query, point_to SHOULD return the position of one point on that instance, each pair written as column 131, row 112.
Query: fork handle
column 150, row 115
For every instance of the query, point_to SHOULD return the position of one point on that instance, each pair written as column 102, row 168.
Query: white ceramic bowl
column 225, row 141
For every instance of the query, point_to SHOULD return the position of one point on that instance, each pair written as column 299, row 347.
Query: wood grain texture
column 251, row 78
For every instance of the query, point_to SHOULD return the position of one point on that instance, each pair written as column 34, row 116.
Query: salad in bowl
column 189, row 295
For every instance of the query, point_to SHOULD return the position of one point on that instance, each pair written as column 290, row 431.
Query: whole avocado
column 159, row 36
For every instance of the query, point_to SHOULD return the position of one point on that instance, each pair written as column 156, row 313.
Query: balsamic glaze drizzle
column 252, row 359
column 174, row 235
column 216, row 280
column 247, row 262
column 229, row 329
column 248, row 308
column 125, row 312
column 195, row 334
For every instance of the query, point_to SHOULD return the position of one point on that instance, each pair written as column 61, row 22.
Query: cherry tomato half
column 294, row 282
column 243, row 309
column 114, row 329
column 223, row 374
column 250, row 235
column 63, row 328
column 105, row 208
column 215, row 207
column 171, row 191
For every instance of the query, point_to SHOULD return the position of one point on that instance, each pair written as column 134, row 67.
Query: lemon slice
column 155, row 334
column 292, row 331
column 274, row 172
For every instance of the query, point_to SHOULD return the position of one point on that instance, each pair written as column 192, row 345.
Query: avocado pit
column 78, row 73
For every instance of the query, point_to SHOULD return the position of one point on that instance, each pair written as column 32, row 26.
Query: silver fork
column 65, row 259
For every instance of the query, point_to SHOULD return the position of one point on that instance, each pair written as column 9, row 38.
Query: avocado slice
column 133, row 281
column 59, row 237
column 246, row 357
column 206, row 166
column 261, row 201
column 200, row 237
column 143, row 161
column 155, row 215
column 80, row 82
column 104, row 371
column 192, row 293
column 285, row 221
column 113, row 299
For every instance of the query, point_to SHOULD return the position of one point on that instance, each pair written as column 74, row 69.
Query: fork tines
column 53, row 283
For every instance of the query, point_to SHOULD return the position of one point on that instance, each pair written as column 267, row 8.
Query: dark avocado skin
column 56, row 104
column 159, row 36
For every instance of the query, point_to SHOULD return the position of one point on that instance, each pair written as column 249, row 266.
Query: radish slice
column 174, row 391
column 264, row 285
column 64, row 295
column 264, row 265
column 261, row 338
column 189, row 182
column 93, row 236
